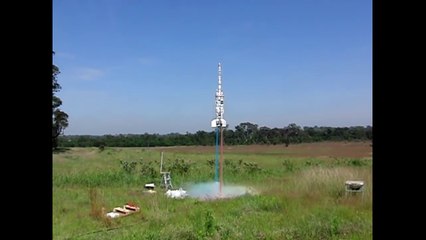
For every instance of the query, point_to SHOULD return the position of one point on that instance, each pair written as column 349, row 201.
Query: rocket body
column 219, row 121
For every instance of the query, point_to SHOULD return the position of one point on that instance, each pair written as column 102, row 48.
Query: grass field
column 300, row 192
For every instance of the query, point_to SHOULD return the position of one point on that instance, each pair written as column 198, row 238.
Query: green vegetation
column 244, row 134
column 59, row 117
column 297, row 197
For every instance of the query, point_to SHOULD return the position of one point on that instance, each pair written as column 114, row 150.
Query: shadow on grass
column 60, row 150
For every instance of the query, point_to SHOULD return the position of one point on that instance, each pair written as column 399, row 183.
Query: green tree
column 246, row 132
column 59, row 117
column 263, row 135
column 291, row 133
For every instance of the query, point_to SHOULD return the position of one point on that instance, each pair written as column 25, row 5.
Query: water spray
column 216, row 189
column 219, row 123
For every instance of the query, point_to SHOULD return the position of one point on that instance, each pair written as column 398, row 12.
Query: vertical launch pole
column 219, row 123
column 216, row 173
column 221, row 160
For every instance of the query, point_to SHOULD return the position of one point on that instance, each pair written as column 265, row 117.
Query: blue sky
column 143, row 66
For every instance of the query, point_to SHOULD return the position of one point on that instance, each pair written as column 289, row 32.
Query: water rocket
column 219, row 121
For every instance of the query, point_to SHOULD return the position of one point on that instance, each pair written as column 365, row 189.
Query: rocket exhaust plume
column 214, row 190
column 211, row 191
column 218, row 124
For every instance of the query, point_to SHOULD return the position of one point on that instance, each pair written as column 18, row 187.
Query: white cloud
column 89, row 73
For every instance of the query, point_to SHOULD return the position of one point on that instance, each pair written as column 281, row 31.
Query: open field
column 320, row 149
column 300, row 193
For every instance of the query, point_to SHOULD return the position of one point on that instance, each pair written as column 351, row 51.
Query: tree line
column 244, row 134
column 59, row 117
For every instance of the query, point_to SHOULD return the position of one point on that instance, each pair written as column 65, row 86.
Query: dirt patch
column 319, row 150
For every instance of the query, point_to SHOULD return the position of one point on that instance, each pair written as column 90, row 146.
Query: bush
column 288, row 166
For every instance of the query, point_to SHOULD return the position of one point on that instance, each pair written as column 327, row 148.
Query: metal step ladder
column 167, row 179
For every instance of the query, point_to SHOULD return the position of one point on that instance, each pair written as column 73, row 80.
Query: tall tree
column 59, row 117
column 246, row 132
column 291, row 132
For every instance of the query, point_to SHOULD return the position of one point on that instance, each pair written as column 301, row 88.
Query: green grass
column 298, row 198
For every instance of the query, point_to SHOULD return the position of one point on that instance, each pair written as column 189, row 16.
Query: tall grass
column 326, row 181
column 97, row 207
column 298, row 198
